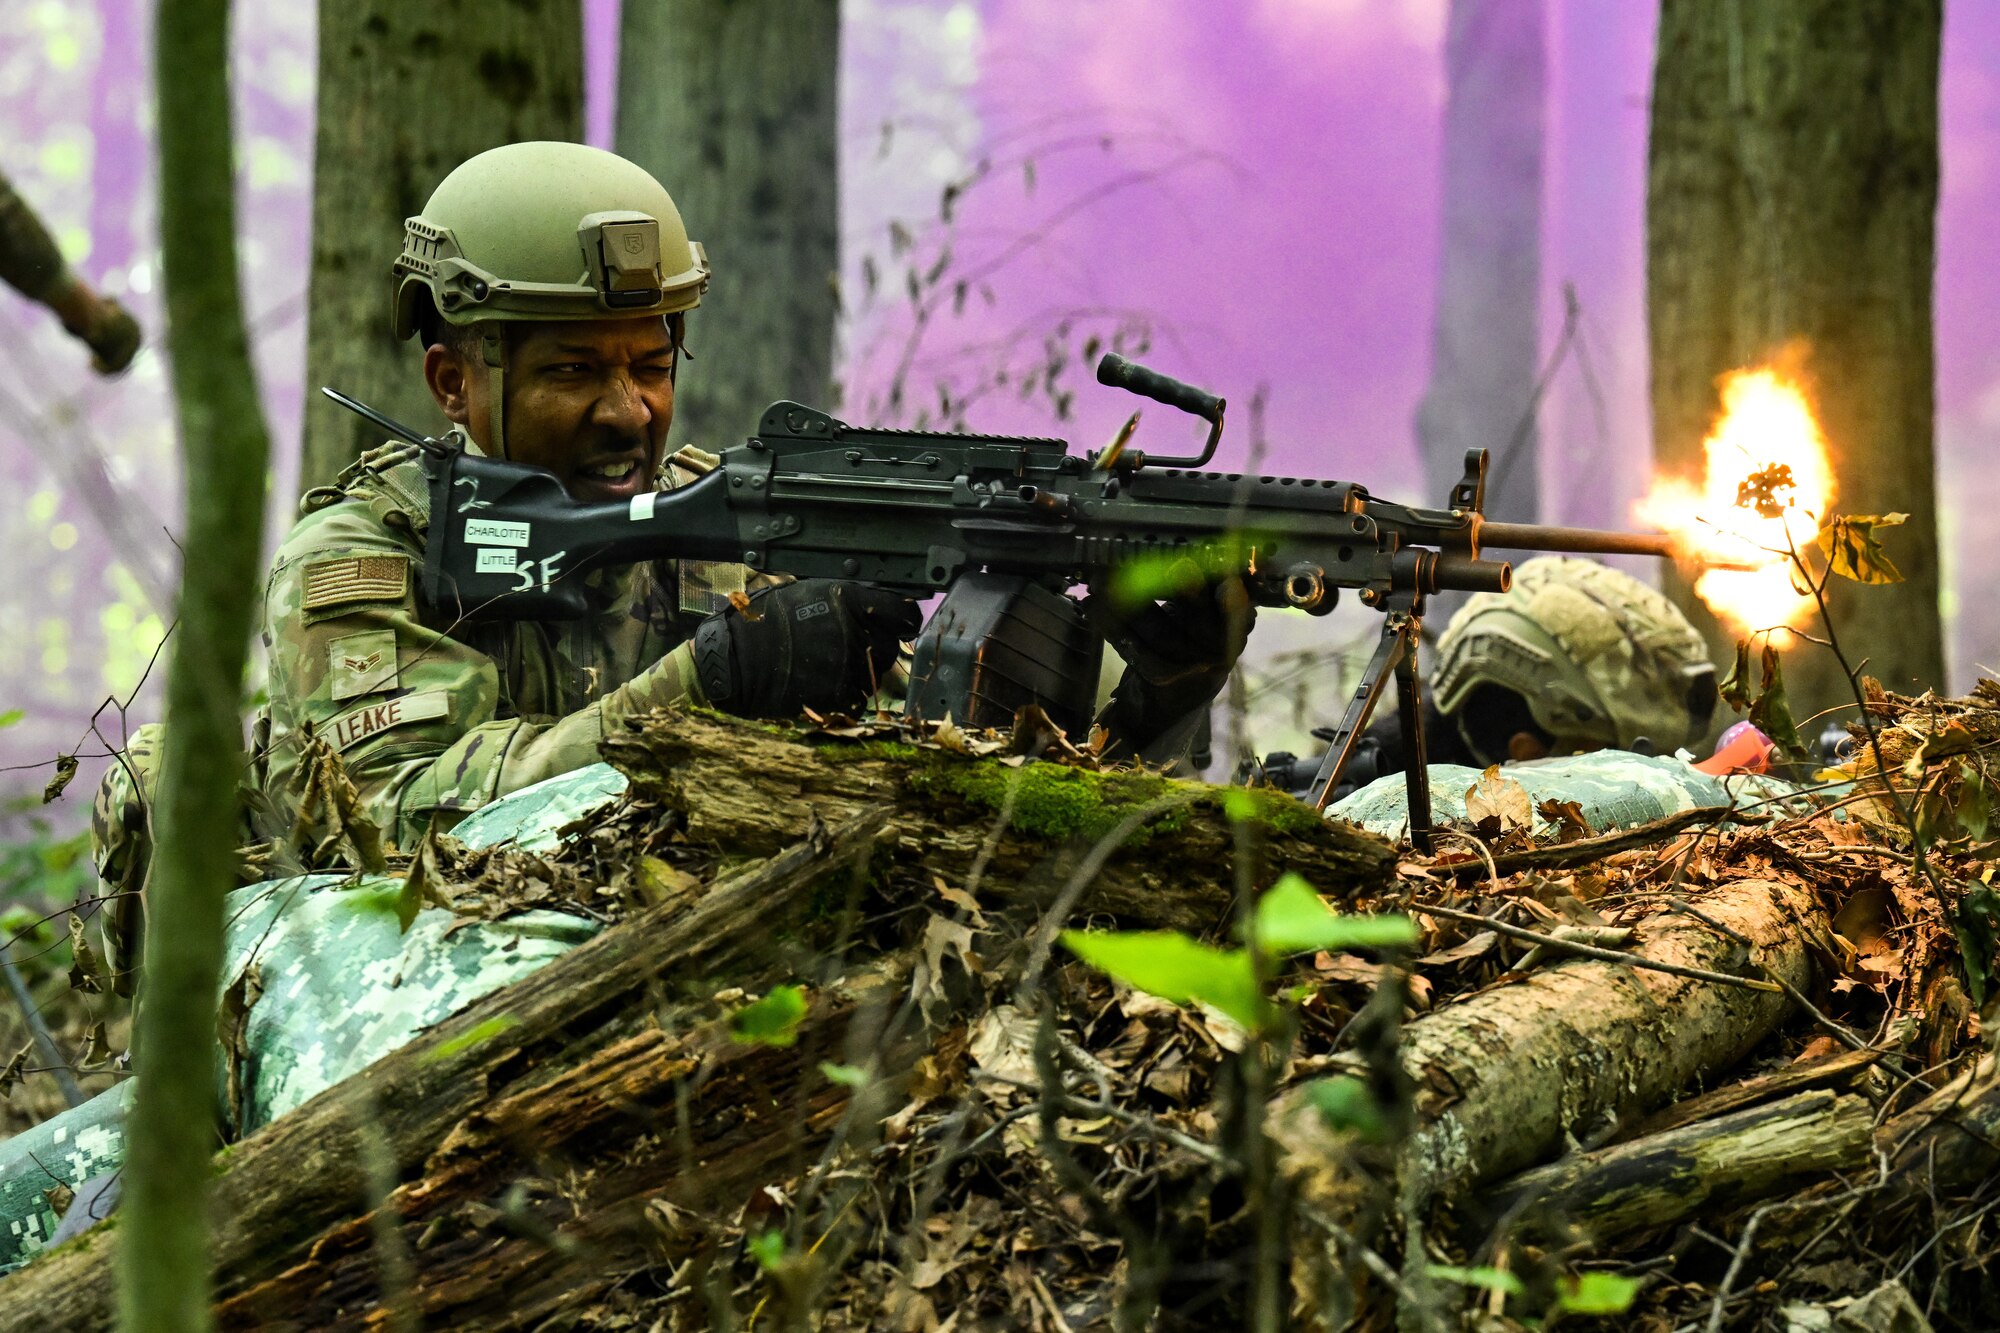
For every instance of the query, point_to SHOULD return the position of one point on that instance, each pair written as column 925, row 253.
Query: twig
column 1602, row 955
column 1485, row 854
column 1743, row 1242
column 1585, row 850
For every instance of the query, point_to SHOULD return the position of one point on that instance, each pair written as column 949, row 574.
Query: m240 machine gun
column 1004, row 527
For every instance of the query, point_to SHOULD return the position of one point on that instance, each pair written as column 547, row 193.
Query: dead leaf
column 1003, row 1044
column 1866, row 918
column 1463, row 952
column 1568, row 818
column 65, row 770
column 1853, row 551
column 960, row 899
column 660, row 882
column 96, row 1049
column 944, row 936
column 11, row 1075
column 84, row 974
column 423, row 886
column 1498, row 799
column 950, row 736
column 740, row 600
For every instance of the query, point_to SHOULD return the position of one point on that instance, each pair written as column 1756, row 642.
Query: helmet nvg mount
column 543, row 231
column 1599, row 658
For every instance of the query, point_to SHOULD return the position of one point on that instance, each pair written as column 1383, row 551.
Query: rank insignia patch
column 361, row 664
column 355, row 578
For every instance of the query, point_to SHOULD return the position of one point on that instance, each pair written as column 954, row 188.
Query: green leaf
column 1168, row 964
column 1975, row 802
column 1491, row 1279
column 767, row 1248
column 1853, row 552
column 1596, row 1293
column 771, row 1021
column 11, row 716
column 1238, row 804
column 1180, row 570
column 1344, row 1103
column 1977, row 922
column 1290, row 918
column 847, row 1076
column 1736, row 685
column 1772, row 715
column 466, row 1040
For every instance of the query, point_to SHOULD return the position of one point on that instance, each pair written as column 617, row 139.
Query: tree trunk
column 1792, row 195
column 408, row 89
column 1484, row 340
column 164, row 1276
column 732, row 104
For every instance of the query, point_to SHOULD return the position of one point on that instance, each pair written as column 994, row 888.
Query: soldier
column 548, row 284
column 31, row 265
column 1577, row 657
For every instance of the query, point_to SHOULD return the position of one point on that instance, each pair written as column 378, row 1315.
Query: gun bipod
column 1395, row 652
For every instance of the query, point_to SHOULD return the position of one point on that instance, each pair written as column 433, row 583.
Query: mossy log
column 750, row 790
column 1504, row 1076
column 1709, row 1166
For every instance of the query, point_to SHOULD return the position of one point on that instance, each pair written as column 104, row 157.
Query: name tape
column 496, row 532
column 350, row 729
column 496, row 560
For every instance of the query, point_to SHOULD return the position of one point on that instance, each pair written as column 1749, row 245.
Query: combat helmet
column 1599, row 659
column 543, row 231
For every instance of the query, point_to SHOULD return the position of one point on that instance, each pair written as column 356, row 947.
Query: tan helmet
column 1599, row 658
column 544, row 231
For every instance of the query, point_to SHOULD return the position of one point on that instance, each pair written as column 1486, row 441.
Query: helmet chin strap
column 493, row 344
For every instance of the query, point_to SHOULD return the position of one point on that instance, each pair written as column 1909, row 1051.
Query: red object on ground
column 1742, row 749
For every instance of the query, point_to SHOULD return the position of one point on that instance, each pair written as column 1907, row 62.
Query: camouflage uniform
column 433, row 719
column 430, row 720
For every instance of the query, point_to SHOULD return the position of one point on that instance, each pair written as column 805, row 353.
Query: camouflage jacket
column 433, row 718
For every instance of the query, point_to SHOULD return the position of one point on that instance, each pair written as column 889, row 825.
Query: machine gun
column 1004, row 526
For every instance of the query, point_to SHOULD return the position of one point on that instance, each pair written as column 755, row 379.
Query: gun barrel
column 1574, row 541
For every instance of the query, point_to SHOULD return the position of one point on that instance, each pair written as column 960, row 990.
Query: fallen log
column 1505, row 1076
column 1947, row 1141
column 1706, row 1166
column 749, row 790
column 1837, row 1070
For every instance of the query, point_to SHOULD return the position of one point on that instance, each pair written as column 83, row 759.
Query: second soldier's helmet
column 1597, row 657
column 545, row 231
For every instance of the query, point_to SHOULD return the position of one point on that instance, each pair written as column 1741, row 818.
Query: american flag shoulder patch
column 345, row 580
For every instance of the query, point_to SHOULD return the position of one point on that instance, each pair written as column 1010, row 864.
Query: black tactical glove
column 1178, row 656
column 818, row 643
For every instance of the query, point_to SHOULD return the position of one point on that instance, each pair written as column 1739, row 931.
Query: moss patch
column 1052, row 801
column 855, row 752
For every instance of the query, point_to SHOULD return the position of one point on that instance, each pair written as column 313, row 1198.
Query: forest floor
column 1705, row 1074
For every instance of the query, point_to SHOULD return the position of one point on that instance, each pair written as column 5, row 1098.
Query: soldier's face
column 591, row 402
